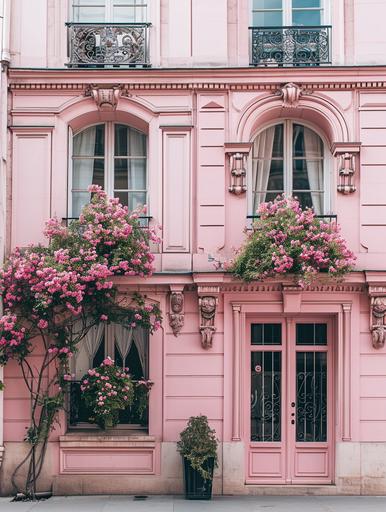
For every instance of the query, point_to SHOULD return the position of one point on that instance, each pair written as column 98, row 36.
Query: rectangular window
column 267, row 13
column 109, row 11
column 265, row 396
column 265, row 334
column 129, row 348
column 311, row 334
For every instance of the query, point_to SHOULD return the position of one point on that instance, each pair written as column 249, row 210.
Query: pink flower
column 42, row 324
column 108, row 361
column 103, row 318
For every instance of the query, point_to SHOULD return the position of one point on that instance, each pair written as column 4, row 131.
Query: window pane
column 306, row 143
column 311, row 334
column 306, row 18
column 130, row 174
column 129, row 142
column 89, row 14
column 267, row 4
column 276, row 176
column 278, row 144
column 267, row 19
column 90, row 142
column 265, row 396
column 78, row 3
column 265, row 334
column 135, row 199
column 129, row 14
column 311, row 397
column 79, row 199
column 305, row 3
column 87, row 172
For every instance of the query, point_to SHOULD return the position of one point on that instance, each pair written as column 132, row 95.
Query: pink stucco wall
column 190, row 114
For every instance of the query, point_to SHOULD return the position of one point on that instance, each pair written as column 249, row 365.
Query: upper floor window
column 109, row 11
column 276, row 13
column 113, row 156
column 289, row 158
column 290, row 33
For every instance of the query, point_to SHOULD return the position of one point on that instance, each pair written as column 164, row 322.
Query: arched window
column 113, row 156
column 109, row 11
column 289, row 158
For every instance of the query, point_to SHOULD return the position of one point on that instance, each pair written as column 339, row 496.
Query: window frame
column 287, row 9
column 328, row 183
column 109, row 350
column 109, row 157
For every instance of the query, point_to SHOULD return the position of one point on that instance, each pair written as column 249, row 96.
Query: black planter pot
column 196, row 487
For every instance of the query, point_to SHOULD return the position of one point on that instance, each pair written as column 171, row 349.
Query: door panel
column 290, row 423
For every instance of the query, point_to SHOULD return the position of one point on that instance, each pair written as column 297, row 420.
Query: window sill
column 107, row 452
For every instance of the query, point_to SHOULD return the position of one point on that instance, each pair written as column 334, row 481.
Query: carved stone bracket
column 207, row 302
column 347, row 154
column 237, row 154
column 106, row 97
column 290, row 94
column 177, row 311
column 378, row 315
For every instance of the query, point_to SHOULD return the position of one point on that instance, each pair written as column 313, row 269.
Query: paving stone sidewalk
column 218, row 504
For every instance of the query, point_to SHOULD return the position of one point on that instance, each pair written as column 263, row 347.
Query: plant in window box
column 107, row 390
column 198, row 447
column 287, row 239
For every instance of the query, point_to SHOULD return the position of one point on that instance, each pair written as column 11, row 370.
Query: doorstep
column 291, row 490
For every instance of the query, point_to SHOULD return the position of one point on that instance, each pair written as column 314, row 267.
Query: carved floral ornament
column 207, row 302
column 177, row 313
column 105, row 96
column 378, row 316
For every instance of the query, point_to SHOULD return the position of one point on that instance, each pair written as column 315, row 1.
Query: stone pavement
column 218, row 504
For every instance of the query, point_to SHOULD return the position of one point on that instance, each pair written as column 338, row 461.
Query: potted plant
column 198, row 447
column 107, row 390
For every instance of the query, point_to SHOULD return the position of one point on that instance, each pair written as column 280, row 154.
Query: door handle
column 292, row 422
column 293, row 404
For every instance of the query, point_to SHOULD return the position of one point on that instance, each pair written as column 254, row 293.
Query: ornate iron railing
column 326, row 218
column 108, row 44
column 79, row 414
column 290, row 46
column 144, row 220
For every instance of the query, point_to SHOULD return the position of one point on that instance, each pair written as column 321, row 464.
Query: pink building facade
column 181, row 105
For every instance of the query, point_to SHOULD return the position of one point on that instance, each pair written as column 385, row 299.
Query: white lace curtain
column 83, row 168
column 262, row 152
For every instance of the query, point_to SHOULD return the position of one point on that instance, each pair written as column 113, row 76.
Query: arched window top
column 111, row 155
column 288, row 158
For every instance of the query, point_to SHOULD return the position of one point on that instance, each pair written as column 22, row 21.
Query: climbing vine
column 53, row 295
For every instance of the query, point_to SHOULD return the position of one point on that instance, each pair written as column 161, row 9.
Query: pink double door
column 290, row 384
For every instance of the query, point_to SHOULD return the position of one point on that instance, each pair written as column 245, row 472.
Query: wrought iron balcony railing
column 108, row 44
column 326, row 218
column 144, row 220
column 290, row 46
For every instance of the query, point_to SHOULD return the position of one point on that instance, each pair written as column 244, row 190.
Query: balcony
column 290, row 46
column 108, row 45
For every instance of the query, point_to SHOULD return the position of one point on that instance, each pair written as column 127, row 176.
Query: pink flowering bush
column 289, row 240
column 107, row 390
column 58, row 292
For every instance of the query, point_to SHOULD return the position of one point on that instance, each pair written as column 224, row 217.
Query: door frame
column 288, row 350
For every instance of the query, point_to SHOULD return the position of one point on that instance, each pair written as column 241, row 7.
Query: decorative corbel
column 347, row 154
column 237, row 154
column 105, row 96
column 207, row 302
column 378, row 315
column 177, row 309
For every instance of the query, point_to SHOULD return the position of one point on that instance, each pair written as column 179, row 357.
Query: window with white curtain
column 277, row 13
column 129, row 347
column 288, row 158
column 113, row 156
column 109, row 11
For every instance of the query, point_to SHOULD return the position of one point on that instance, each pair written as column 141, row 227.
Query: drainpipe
column 5, row 8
